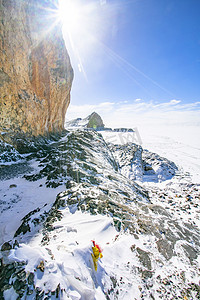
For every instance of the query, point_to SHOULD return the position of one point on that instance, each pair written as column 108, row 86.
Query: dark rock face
column 95, row 121
column 35, row 70
column 14, row 275
column 6, row 246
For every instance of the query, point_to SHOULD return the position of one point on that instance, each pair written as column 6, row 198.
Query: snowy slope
column 150, row 240
column 185, row 155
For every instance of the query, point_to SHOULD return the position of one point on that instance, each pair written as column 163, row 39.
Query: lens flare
column 71, row 14
column 86, row 26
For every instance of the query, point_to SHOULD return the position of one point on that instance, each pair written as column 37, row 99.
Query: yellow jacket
column 95, row 256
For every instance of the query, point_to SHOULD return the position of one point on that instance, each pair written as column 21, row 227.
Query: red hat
column 96, row 245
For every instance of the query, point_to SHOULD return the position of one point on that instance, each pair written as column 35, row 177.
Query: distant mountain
column 93, row 121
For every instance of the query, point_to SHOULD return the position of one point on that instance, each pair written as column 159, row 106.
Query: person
column 97, row 253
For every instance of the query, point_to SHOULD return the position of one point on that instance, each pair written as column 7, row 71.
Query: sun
column 84, row 26
column 71, row 14
column 77, row 18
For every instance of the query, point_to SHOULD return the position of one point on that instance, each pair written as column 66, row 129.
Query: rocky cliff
column 35, row 70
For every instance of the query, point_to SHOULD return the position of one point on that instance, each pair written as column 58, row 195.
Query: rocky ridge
column 162, row 251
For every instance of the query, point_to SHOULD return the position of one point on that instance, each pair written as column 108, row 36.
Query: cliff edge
column 35, row 70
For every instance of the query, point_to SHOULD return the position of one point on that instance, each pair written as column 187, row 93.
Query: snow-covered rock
column 8, row 153
column 142, row 165
column 93, row 121
column 150, row 244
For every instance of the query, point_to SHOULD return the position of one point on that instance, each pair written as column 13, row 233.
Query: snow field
column 67, row 258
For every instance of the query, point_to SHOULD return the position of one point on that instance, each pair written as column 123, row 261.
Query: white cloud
column 172, row 119
column 166, row 105
column 82, row 111
column 140, row 113
column 174, row 102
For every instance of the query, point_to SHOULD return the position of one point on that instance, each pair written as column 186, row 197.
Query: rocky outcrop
column 35, row 70
column 138, row 164
column 95, row 121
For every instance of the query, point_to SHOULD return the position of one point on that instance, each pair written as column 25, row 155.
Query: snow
column 183, row 149
column 19, row 200
column 10, row 294
column 77, row 123
column 184, row 154
column 67, row 257
column 72, row 264
column 121, row 138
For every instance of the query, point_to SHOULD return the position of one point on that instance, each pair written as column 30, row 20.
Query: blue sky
column 150, row 49
column 140, row 49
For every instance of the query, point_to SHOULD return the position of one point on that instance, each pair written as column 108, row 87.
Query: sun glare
column 85, row 25
column 80, row 23
column 70, row 13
